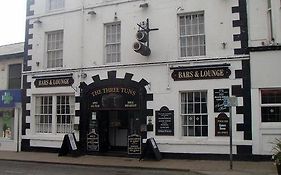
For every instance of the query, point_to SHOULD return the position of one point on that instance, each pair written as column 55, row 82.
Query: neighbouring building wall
column 264, row 41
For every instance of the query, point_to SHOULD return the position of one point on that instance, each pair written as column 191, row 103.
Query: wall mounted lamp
column 37, row 21
column 92, row 12
column 144, row 5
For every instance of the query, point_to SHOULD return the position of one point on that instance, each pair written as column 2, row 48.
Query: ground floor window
column 54, row 114
column 194, row 113
column 7, row 124
column 271, row 105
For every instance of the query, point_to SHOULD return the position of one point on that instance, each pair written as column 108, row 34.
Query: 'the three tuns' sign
column 53, row 82
column 202, row 73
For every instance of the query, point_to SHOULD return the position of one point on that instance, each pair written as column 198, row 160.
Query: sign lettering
column 53, row 82
column 204, row 73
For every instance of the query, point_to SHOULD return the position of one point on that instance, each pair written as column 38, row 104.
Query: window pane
column 271, row 96
column 55, row 49
column 271, row 114
column 197, row 105
column 112, row 46
column 192, row 29
column 14, row 76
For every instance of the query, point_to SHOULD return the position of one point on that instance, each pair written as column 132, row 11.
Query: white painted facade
column 265, row 68
column 84, row 52
column 10, row 141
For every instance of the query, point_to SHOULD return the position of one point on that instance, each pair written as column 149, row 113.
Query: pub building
column 82, row 76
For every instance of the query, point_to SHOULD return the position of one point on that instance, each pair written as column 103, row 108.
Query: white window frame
column 59, row 4
column 189, row 41
column 54, row 49
column 272, row 104
column 112, row 56
column 53, row 127
column 269, row 20
column 189, row 113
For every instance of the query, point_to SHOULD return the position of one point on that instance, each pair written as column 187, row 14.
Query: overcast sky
column 12, row 21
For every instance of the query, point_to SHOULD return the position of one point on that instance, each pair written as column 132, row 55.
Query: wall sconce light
column 37, row 21
column 115, row 16
column 37, row 63
column 92, row 12
column 223, row 45
column 180, row 9
column 83, row 75
column 144, row 5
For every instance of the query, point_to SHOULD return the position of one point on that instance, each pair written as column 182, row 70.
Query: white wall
column 84, row 33
column 258, row 23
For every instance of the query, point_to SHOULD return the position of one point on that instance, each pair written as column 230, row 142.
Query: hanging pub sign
column 134, row 144
column 164, row 122
column 219, row 96
column 202, row 73
column 117, row 98
column 222, row 125
column 53, row 81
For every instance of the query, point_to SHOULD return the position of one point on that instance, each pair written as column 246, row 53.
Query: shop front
column 113, row 111
column 10, row 114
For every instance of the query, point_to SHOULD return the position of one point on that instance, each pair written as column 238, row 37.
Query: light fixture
column 180, row 9
column 115, row 16
column 92, row 12
column 37, row 21
column 144, row 5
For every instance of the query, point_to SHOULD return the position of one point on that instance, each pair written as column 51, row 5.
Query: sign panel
column 117, row 98
column 8, row 98
column 93, row 142
column 165, row 122
column 199, row 74
column 53, row 82
column 134, row 144
column 219, row 97
column 222, row 125
column 151, row 150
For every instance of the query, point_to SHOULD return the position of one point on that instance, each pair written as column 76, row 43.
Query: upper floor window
column 271, row 105
column 112, row 42
column 55, row 4
column 194, row 113
column 14, row 76
column 55, row 49
column 192, row 35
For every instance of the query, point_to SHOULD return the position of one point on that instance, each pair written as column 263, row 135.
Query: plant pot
column 278, row 169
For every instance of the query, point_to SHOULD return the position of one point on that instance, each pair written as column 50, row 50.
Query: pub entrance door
column 113, row 129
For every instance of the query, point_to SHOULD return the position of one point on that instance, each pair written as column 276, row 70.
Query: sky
column 12, row 21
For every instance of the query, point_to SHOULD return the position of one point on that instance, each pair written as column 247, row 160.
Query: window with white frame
column 192, row 35
column 113, row 42
column 271, row 105
column 55, row 49
column 194, row 113
column 269, row 20
column 55, row 4
column 54, row 114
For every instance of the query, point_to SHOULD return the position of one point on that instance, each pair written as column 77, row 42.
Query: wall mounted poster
column 219, row 96
column 165, row 122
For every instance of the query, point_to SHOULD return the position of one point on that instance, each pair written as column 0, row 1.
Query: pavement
column 204, row 167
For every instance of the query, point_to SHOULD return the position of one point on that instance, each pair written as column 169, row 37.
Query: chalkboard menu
column 222, row 125
column 93, row 142
column 219, row 96
column 165, row 122
column 134, row 144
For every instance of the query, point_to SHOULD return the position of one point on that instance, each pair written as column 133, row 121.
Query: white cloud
column 12, row 21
